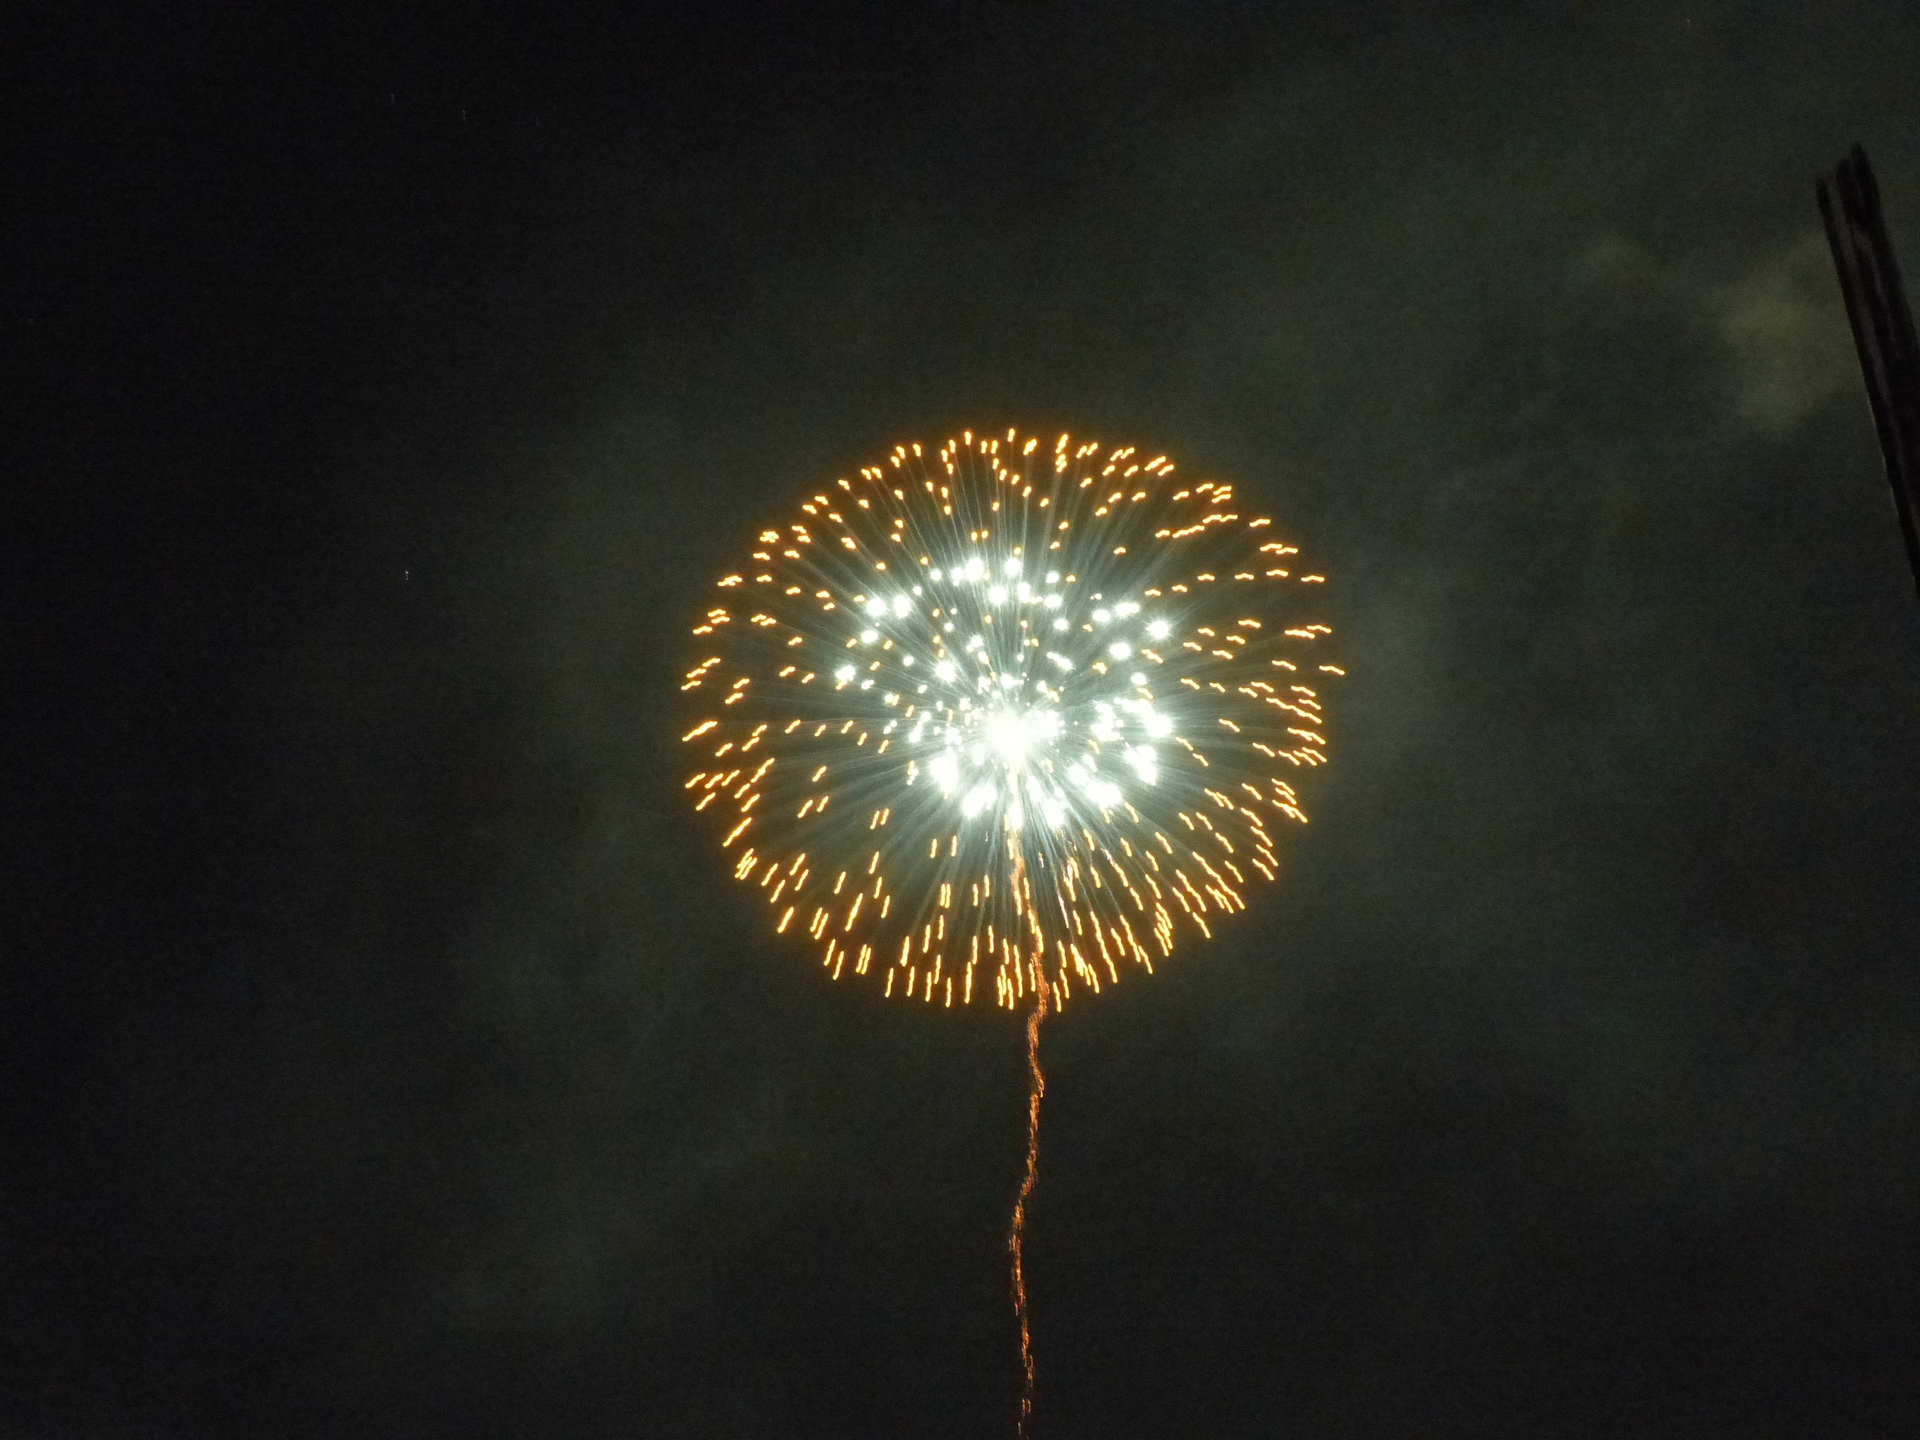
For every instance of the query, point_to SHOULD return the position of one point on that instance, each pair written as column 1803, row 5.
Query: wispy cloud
column 1783, row 335
column 1777, row 329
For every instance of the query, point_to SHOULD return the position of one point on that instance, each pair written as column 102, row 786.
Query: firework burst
column 1008, row 709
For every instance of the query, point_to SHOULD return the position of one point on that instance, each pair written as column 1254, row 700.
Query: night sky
column 389, row 1053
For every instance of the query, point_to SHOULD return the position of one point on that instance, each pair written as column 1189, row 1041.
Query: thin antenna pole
column 1882, row 329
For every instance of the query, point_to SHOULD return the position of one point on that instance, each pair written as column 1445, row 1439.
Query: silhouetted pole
column 1882, row 329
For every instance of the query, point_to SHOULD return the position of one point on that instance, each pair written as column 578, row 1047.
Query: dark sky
column 388, row 1054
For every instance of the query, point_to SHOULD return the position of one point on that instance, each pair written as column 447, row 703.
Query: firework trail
column 1017, row 1232
column 1008, row 714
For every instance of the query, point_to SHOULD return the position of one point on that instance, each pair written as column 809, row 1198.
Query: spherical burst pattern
column 1003, row 707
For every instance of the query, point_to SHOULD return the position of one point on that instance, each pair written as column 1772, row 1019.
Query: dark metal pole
column 1882, row 329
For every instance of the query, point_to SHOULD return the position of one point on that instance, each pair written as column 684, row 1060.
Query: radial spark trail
column 994, row 654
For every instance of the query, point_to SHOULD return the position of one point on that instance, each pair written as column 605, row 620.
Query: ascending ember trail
column 1008, row 714
column 1017, row 1231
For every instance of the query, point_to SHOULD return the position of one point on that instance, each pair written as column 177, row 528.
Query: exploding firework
column 1004, row 712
